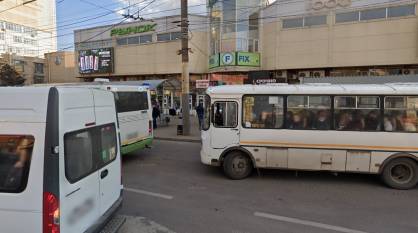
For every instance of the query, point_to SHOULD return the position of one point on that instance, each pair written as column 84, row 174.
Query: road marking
column 159, row 195
column 306, row 223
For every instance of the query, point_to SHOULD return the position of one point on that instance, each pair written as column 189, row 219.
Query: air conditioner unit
column 408, row 71
column 281, row 74
column 318, row 73
column 304, row 74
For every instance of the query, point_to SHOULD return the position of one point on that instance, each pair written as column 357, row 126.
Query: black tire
column 237, row 165
column 400, row 173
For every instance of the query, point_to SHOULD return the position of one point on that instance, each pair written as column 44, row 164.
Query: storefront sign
column 95, row 61
column 248, row 59
column 132, row 30
column 260, row 78
column 228, row 59
column 329, row 4
column 214, row 61
column 202, row 84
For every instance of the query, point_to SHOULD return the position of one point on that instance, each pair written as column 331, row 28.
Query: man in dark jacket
column 155, row 114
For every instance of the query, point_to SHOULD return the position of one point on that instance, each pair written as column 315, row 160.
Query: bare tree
column 10, row 77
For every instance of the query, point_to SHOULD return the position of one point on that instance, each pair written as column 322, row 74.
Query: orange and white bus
column 338, row 128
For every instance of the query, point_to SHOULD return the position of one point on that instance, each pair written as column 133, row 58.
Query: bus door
column 225, row 130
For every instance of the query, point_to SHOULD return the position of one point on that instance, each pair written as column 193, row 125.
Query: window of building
column 15, row 159
column 263, row 111
column 378, row 13
column 176, row 35
column 17, row 39
column 133, row 40
column 315, row 20
column 145, row 39
column 131, row 101
column 122, row 41
column 398, row 11
column 2, row 36
column 347, row 17
column 38, row 79
column 401, row 114
column 19, row 65
column 163, row 37
column 357, row 113
column 225, row 114
column 292, row 23
column 39, row 68
column 88, row 150
column 309, row 112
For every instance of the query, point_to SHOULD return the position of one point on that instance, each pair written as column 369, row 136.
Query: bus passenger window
column 357, row 113
column 309, row 112
column 225, row 114
column 262, row 111
column 401, row 114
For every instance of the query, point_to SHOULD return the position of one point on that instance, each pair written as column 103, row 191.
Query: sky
column 78, row 14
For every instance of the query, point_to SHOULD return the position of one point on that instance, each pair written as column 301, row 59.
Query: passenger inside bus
column 322, row 121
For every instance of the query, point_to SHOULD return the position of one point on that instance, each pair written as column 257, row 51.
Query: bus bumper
column 205, row 158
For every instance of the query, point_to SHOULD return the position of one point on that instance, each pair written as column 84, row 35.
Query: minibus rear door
column 225, row 116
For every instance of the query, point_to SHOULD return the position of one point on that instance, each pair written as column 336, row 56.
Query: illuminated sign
column 329, row 4
column 228, row 59
column 132, row 30
column 95, row 61
column 248, row 59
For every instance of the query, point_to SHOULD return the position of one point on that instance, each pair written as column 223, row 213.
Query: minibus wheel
column 401, row 173
column 237, row 165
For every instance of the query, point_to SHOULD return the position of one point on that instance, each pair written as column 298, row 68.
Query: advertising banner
column 132, row 30
column 248, row 59
column 228, row 59
column 95, row 61
column 214, row 61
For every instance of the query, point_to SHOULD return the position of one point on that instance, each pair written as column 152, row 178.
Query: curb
column 178, row 139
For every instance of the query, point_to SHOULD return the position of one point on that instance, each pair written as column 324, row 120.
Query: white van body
column 73, row 173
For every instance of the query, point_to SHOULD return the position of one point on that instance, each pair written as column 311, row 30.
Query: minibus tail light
column 51, row 213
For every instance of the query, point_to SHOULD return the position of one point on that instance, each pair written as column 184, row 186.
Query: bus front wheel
column 237, row 165
column 401, row 173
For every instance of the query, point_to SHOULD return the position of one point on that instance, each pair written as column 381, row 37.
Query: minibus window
column 309, row 112
column 15, row 158
column 131, row 101
column 225, row 114
column 263, row 111
column 78, row 154
column 401, row 114
column 109, row 145
column 206, row 114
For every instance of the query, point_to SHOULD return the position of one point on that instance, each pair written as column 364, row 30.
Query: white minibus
column 338, row 128
column 60, row 164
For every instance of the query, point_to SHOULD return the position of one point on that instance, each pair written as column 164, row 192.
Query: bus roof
column 318, row 88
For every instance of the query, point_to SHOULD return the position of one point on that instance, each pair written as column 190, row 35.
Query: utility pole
column 185, row 68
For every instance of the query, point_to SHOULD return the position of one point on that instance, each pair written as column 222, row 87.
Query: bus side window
column 225, row 114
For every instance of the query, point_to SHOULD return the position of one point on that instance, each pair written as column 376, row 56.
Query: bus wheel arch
column 237, row 163
column 400, row 171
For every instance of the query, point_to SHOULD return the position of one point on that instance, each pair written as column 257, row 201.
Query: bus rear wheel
column 401, row 173
column 237, row 165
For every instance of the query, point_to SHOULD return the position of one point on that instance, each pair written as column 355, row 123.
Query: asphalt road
column 168, row 186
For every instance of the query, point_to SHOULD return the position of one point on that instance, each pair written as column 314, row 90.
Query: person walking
column 155, row 114
column 200, row 114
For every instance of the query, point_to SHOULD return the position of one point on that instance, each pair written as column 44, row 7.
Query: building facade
column 30, row 68
column 60, row 67
column 28, row 29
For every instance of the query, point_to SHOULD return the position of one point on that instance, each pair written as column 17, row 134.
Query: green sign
column 214, row 61
column 248, row 59
column 132, row 30
column 228, row 59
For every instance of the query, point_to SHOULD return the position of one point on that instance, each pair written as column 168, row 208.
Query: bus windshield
column 206, row 116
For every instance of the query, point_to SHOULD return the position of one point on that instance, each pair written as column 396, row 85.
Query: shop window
column 176, row 35
column 122, row 41
column 145, row 39
column 398, row 11
column 315, row 20
column 39, row 68
column 163, row 37
column 293, row 23
column 263, row 111
column 309, row 112
column 378, row 13
column 133, row 40
column 401, row 114
column 38, row 79
column 347, row 17
column 357, row 113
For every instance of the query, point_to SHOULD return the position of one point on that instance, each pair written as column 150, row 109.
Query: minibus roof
column 318, row 88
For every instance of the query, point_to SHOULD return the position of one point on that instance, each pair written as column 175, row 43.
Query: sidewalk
column 170, row 132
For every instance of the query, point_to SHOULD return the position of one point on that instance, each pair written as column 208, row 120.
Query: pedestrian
column 155, row 114
column 200, row 113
